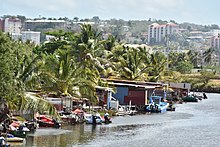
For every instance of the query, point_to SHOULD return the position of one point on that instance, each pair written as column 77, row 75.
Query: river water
column 192, row 124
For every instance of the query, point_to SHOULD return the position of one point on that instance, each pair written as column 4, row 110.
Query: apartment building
column 2, row 24
column 32, row 36
column 215, row 44
column 215, row 41
column 157, row 33
column 12, row 25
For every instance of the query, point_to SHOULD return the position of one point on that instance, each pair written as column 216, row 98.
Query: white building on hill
column 32, row 36
column 157, row 33
column 215, row 44
column 12, row 25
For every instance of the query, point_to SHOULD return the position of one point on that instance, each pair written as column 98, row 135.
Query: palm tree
column 89, row 49
column 193, row 57
column 130, row 62
column 158, row 65
column 33, row 103
column 207, row 55
column 59, row 72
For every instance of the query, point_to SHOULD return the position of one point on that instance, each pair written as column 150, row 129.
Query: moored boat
column 45, row 121
column 15, row 139
column 157, row 105
column 190, row 98
column 92, row 118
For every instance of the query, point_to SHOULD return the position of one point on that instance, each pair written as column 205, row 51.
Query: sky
column 205, row 12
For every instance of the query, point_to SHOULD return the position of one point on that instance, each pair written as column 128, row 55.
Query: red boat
column 45, row 121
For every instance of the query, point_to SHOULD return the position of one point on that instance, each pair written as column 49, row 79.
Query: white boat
column 126, row 110
column 89, row 118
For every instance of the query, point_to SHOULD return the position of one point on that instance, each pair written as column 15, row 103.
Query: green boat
column 190, row 98
column 19, row 133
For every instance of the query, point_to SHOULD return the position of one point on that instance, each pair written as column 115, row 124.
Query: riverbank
column 213, row 86
column 189, row 125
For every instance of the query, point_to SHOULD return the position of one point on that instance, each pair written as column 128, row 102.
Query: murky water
column 192, row 124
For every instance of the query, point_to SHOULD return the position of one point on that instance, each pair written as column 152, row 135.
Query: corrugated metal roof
column 135, row 85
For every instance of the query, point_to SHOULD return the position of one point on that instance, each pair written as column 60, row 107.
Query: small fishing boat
column 19, row 133
column 171, row 107
column 93, row 118
column 157, row 105
column 106, row 119
column 45, row 121
column 190, row 98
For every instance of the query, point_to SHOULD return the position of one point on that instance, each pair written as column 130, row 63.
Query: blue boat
column 156, row 105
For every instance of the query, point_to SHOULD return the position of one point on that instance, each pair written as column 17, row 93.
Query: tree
column 184, row 67
column 193, row 58
column 88, row 49
column 59, row 41
column 59, row 72
column 206, row 76
column 76, row 19
column 131, row 64
column 16, row 69
column 158, row 63
column 10, row 87
column 207, row 55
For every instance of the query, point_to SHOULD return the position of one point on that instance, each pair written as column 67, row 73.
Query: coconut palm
column 130, row 62
column 89, row 50
column 158, row 65
column 193, row 57
column 207, row 55
column 33, row 103
column 59, row 72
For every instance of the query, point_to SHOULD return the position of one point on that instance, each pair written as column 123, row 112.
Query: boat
column 126, row 110
column 190, row 98
column 15, row 139
column 157, row 105
column 106, row 119
column 18, row 128
column 121, row 111
column 19, row 133
column 45, row 121
column 93, row 118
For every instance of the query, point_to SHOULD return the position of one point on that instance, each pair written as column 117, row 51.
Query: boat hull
column 190, row 99
column 15, row 139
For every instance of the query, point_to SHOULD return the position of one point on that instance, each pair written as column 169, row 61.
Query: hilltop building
column 44, row 23
column 215, row 41
column 32, row 36
column 2, row 23
column 11, row 25
column 157, row 33
column 215, row 44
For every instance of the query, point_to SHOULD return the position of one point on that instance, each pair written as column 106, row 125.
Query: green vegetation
column 72, row 64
